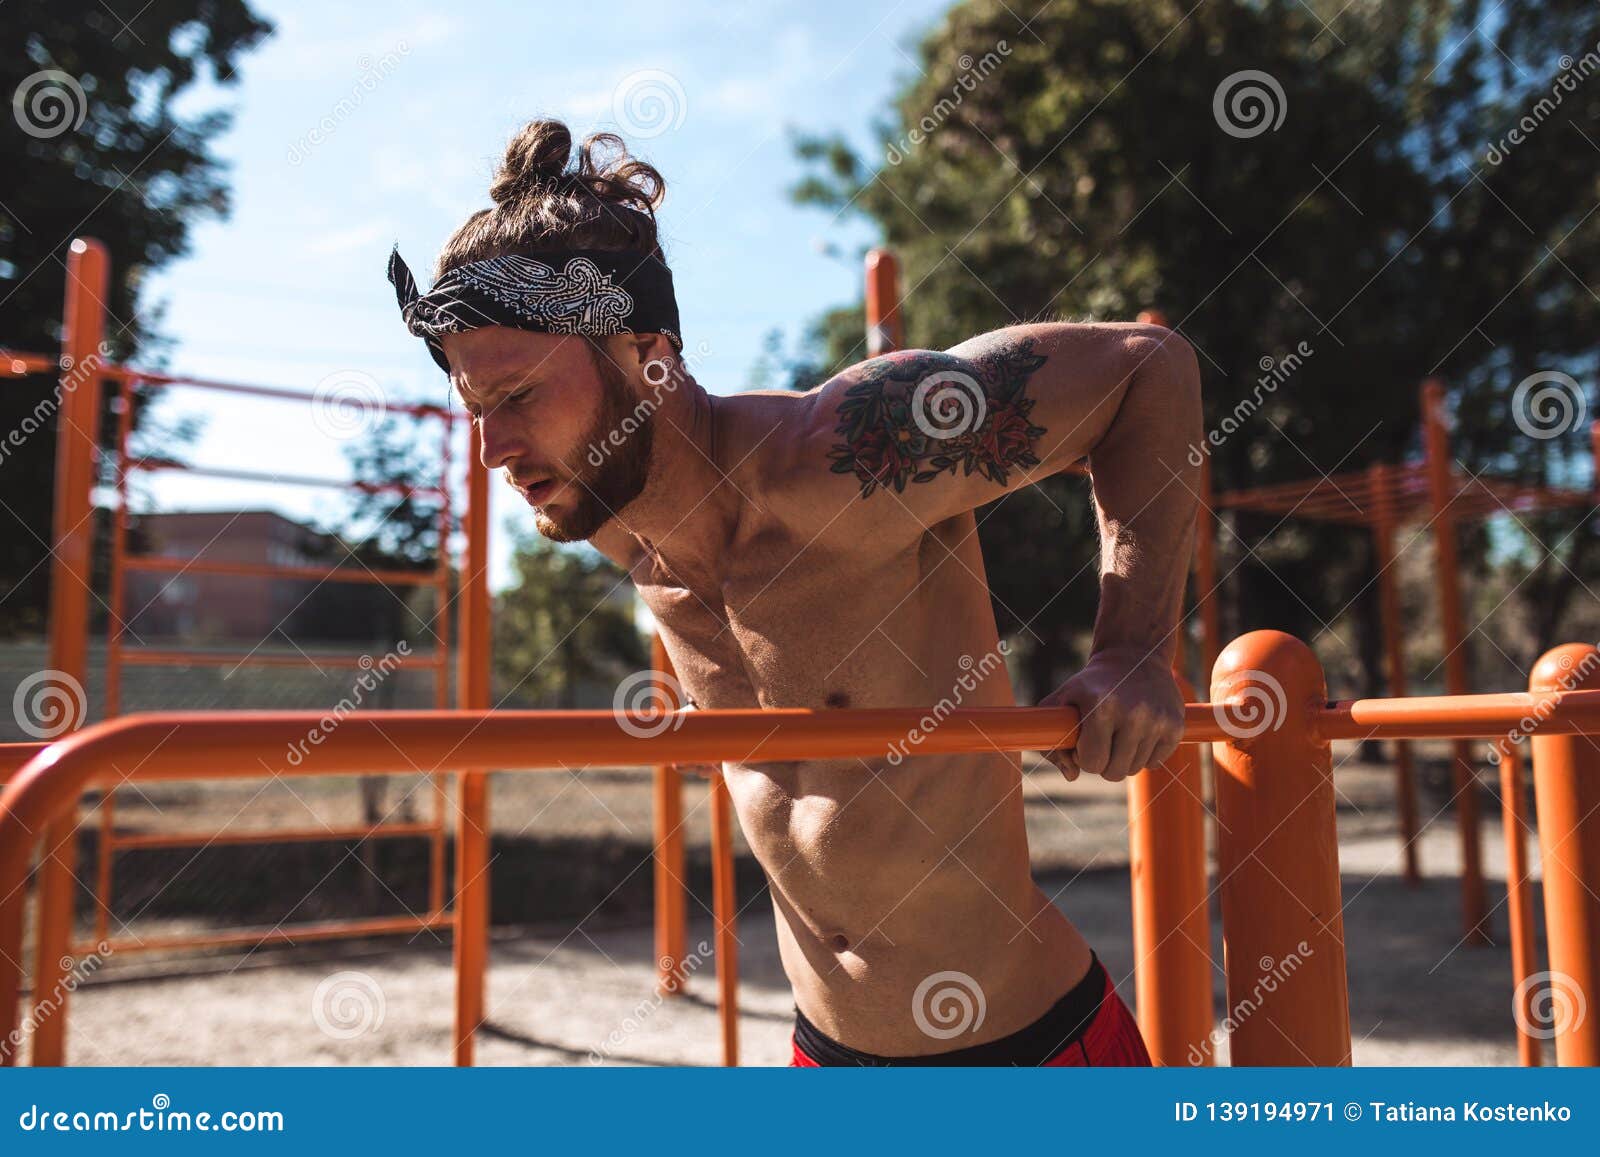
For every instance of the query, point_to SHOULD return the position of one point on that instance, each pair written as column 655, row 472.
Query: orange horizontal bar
column 150, row 377
column 153, row 464
column 19, row 364
column 144, row 841
column 14, row 755
column 343, row 574
column 288, row 934
column 154, row 657
column 1463, row 716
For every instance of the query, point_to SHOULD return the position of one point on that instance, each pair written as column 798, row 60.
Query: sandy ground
column 577, row 992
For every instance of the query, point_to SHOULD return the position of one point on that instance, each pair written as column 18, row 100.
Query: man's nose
column 502, row 442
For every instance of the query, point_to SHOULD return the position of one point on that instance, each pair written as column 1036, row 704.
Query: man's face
column 557, row 415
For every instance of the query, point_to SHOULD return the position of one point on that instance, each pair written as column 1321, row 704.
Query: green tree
column 1095, row 159
column 134, row 172
column 565, row 620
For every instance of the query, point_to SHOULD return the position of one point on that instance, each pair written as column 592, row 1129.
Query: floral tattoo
column 916, row 415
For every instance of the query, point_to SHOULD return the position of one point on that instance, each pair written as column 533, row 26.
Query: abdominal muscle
column 897, row 886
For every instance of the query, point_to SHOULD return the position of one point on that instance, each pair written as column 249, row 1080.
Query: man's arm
column 924, row 435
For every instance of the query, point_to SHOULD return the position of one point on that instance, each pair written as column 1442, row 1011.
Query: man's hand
column 1131, row 715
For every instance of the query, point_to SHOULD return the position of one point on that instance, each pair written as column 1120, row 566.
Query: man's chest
column 817, row 626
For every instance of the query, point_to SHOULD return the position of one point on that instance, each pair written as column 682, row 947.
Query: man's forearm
column 1145, row 499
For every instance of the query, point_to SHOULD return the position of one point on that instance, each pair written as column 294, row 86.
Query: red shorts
column 1088, row 1027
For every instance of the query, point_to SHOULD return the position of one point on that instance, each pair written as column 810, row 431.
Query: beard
column 599, row 492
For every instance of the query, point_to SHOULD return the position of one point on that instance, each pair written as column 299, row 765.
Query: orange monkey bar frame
column 1279, row 857
column 1382, row 498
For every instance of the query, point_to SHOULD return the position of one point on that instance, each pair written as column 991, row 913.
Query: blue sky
column 290, row 289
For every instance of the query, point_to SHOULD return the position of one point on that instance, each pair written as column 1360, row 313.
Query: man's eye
column 522, row 395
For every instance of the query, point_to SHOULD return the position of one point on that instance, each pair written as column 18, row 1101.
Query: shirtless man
column 820, row 550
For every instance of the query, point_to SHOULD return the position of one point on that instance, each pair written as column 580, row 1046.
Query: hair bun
column 537, row 155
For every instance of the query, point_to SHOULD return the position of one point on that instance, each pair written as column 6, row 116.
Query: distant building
column 222, row 606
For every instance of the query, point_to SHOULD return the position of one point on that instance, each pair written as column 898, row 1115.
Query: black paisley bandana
column 578, row 291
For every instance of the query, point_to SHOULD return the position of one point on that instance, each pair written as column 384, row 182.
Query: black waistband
column 1039, row 1042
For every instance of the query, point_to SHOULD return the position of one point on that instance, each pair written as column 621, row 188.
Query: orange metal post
column 472, row 819
column 1405, row 785
column 885, row 330
column 725, row 910
column 1474, row 906
column 1519, row 898
column 1566, row 782
column 672, row 914
column 72, row 543
column 1282, row 921
column 1171, row 916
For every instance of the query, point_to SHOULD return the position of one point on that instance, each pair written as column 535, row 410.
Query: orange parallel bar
column 150, row 377
column 1566, row 783
column 1519, row 901
column 725, row 912
column 18, row 364
column 1171, row 913
column 151, row 465
column 1278, row 860
column 143, row 841
column 14, row 756
column 162, row 657
column 1462, row 716
column 189, row 745
column 283, row 934
column 343, row 574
